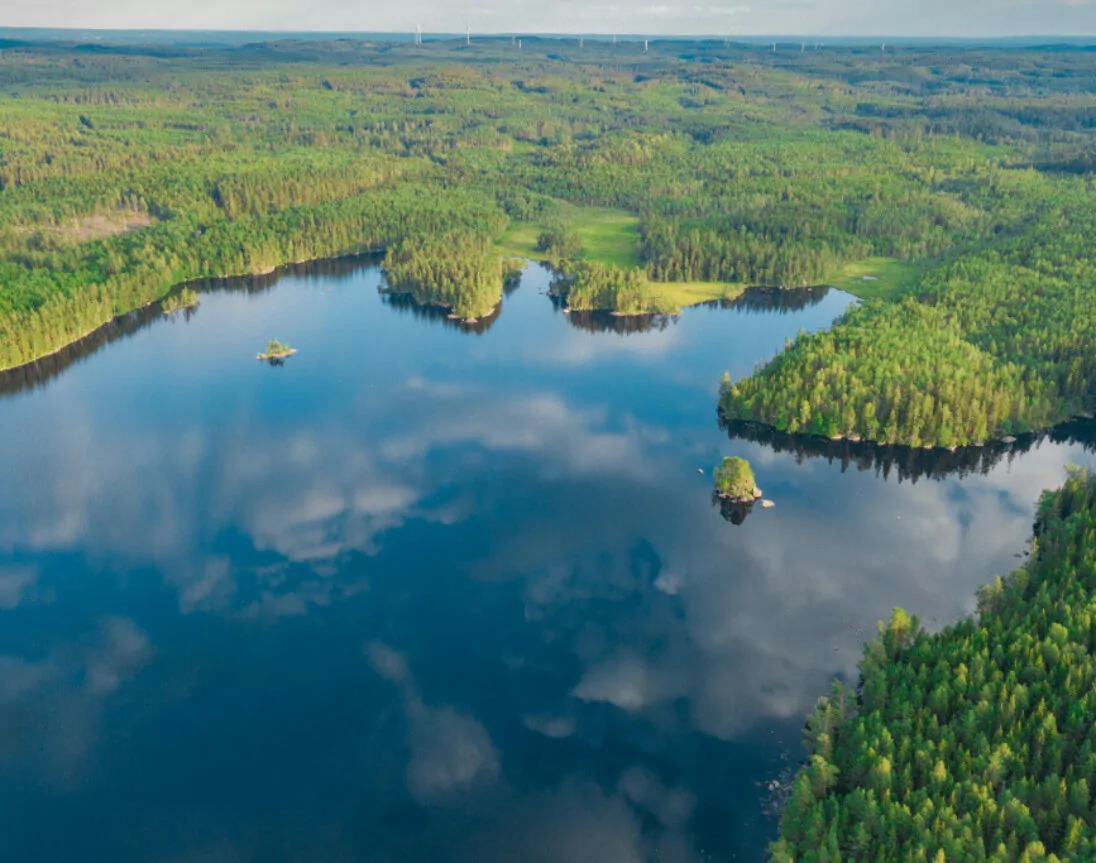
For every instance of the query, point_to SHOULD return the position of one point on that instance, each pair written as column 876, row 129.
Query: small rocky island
column 276, row 352
column 734, row 481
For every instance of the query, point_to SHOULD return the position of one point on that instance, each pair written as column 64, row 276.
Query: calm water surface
column 431, row 594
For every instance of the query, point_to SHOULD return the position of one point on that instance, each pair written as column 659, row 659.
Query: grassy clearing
column 611, row 236
column 95, row 227
column 520, row 241
column 875, row 278
column 608, row 236
column 681, row 295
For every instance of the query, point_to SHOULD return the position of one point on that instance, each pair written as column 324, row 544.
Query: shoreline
column 1004, row 442
column 731, row 296
column 757, row 495
column 276, row 357
column 266, row 273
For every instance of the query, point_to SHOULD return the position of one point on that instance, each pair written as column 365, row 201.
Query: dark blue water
column 431, row 594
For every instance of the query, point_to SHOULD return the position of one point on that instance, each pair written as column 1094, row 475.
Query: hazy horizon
column 977, row 19
column 792, row 37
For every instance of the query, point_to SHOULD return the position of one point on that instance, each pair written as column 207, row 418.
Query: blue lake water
column 427, row 593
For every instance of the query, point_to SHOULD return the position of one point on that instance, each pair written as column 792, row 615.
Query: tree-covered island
column 734, row 481
column 276, row 352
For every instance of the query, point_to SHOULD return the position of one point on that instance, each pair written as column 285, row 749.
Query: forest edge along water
column 290, row 490
column 615, row 651
column 186, row 297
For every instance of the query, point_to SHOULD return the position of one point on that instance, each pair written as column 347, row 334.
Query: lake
column 433, row 592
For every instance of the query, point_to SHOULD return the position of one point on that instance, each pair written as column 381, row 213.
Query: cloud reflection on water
column 450, row 751
column 740, row 614
column 50, row 707
column 467, row 501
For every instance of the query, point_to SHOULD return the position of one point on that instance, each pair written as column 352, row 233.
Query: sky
column 952, row 18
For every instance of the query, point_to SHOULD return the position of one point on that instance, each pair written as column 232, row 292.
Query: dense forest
column 457, row 271
column 951, row 186
column 991, row 344
column 592, row 286
column 977, row 743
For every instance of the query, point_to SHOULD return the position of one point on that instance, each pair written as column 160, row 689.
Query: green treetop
column 735, row 480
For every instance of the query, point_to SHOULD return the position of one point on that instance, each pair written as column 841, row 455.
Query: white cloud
column 555, row 727
column 628, row 682
column 16, row 583
column 673, row 807
column 749, row 624
column 450, row 751
column 125, row 650
column 212, row 588
column 388, row 663
column 58, row 698
column 575, row 821
column 19, row 677
column 849, row 17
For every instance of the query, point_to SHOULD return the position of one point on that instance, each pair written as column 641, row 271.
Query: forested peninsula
column 951, row 188
column 992, row 344
column 977, row 743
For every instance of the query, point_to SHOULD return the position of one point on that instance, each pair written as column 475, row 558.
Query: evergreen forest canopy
column 959, row 181
column 975, row 744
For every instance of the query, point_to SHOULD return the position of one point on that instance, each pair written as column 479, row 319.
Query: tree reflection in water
column 735, row 512
column 42, row 371
column 906, row 463
column 406, row 304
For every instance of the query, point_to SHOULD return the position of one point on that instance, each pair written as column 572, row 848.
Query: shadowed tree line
column 908, row 464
